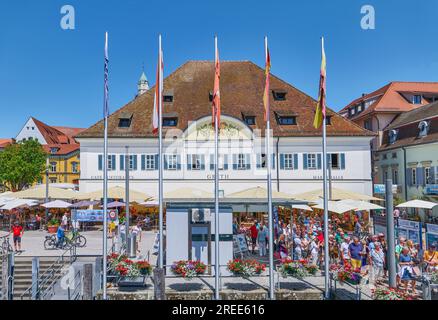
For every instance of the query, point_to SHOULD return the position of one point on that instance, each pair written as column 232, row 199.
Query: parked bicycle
column 79, row 240
column 5, row 245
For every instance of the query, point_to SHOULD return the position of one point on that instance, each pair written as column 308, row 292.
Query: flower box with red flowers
column 188, row 269
column 245, row 268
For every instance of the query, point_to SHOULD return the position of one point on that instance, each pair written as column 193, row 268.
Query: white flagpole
column 324, row 170
column 161, row 162
column 105, row 176
column 271, row 224
column 216, row 194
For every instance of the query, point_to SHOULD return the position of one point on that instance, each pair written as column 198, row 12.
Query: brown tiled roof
column 5, row 142
column 242, row 85
column 407, row 125
column 63, row 149
column 390, row 99
column 57, row 135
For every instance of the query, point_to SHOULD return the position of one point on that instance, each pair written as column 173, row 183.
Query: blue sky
column 56, row 75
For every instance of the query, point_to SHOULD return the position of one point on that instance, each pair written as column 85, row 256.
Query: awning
column 57, row 204
column 18, row 203
column 335, row 206
column 39, row 192
column 362, row 205
column 258, row 193
column 337, row 194
column 418, row 204
column 116, row 193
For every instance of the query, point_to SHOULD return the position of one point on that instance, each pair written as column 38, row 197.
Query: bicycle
column 5, row 246
column 79, row 240
column 51, row 243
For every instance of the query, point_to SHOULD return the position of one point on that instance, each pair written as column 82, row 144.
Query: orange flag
column 216, row 92
column 266, row 93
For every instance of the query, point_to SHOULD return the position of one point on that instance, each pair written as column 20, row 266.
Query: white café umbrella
column 335, row 206
column 302, row 207
column 18, row 203
column 418, row 204
column 39, row 192
column 57, row 204
column 362, row 205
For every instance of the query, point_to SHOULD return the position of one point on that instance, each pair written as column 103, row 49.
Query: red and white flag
column 158, row 92
column 216, row 91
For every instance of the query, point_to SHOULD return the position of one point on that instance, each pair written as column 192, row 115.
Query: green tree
column 21, row 164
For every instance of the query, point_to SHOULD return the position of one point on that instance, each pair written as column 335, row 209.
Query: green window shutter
column 143, row 162
column 225, row 162
column 157, row 161
column 178, row 161
column 135, row 161
column 305, row 161
column 189, row 162
column 248, row 161
column 273, row 161
column 282, row 161
column 295, row 161
column 122, row 162
column 166, row 164
column 202, row 162
column 211, row 161
column 259, row 160
column 343, row 161
column 319, row 160
column 100, row 162
column 234, row 161
column 113, row 159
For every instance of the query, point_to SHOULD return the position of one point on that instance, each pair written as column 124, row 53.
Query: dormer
column 125, row 119
column 393, row 136
column 423, row 127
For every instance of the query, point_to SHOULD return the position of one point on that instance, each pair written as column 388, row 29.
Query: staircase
column 23, row 273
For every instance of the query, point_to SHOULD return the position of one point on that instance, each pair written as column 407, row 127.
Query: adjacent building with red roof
column 60, row 144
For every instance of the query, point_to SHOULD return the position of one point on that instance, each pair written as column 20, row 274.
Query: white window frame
column 426, row 174
column 288, row 161
column 395, row 176
column 53, row 165
column 131, row 162
column 221, row 162
column 338, row 155
column 312, row 161
column 109, row 163
column 172, row 162
column 195, row 162
column 241, row 161
column 149, row 162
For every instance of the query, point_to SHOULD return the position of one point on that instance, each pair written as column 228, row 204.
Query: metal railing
column 77, row 289
column 44, row 288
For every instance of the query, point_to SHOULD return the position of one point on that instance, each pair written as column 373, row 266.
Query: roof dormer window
column 210, row 96
column 250, row 120
column 423, row 126
column 54, row 150
column 125, row 120
column 170, row 122
column 393, row 136
column 416, row 99
column 287, row 120
column 168, row 96
column 279, row 95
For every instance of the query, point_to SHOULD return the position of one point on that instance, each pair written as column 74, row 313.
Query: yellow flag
column 320, row 106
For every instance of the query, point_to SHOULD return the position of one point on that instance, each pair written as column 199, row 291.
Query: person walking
column 406, row 272
column 377, row 261
column 254, row 232
column 261, row 239
column 314, row 251
column 17, row 234
column 345, row 251
column 355, row 251
column 64, row 221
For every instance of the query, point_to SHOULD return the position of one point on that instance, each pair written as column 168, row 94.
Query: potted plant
column 52, row 225
column 291, row 268
column 390, row 294
column 245, row 268
column 144, row 267
column 129, row 275
column 188, row 269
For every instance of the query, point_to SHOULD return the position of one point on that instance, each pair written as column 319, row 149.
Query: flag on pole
column 158, row 93
column 105, row 104
column 216, row 92
column 266, row 93
column 321, row 105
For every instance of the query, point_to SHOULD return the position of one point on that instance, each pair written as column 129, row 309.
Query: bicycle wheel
column 48, row 244
column 80, row 241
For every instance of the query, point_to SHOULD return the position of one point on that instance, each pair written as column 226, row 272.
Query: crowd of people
column 357, row 248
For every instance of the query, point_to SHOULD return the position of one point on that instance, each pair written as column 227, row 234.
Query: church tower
column 142, row 85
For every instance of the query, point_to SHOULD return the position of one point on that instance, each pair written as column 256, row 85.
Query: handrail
column 76, row 290
column 49, row 278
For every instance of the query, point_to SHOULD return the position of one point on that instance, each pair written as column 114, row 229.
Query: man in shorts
column 17, row 233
